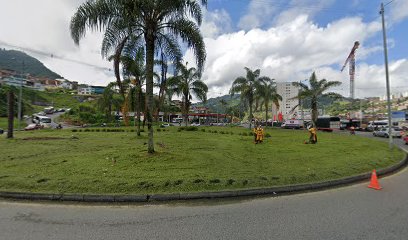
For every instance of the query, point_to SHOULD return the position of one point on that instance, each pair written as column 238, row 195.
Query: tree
column 315, row 92
column 186, row 84
column 109, row 101
column 157, row 23
column 133, row 65
column 266, row 90
column 246, row 86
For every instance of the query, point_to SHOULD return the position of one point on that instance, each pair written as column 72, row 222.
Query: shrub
column 198, row 181
column 74, row 130
column 178, row 182
column 215, row 131
column 230, row 181
column 159, row 130
column 215, row 181
column 192, row 128
column 222, row 132
column 203, row 130
column 244, row 134
column 167, row 183
column 245, row 182
column 97, row 130
column 268, row 135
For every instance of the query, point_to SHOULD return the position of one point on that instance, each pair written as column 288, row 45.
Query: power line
column 52, row 55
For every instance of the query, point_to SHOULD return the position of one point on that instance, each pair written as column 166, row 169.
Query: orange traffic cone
column 374, row 181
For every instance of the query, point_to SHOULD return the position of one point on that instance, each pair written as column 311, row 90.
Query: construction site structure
column 351, row 60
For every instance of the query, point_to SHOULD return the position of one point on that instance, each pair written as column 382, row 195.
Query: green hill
column 216, row 104
column 20, row 61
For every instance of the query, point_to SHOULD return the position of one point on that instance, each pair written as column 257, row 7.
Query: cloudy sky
column 286, row 39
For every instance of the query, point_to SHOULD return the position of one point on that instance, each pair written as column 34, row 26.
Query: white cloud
column 215, row 23
column 43, row 25
column 370, row 79
column 259, row 13
column 289, row 52
column 398, row 10
column 302, row 7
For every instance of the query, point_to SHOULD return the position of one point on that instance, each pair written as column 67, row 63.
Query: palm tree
column 108, row 101
column 266, row 91
column 246, row 86
column 133, row 65
column 185, row 84
column 157, row 23
column 315, row 92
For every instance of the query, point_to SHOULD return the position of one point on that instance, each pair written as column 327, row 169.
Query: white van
column 42, row 120
column 177, row 120
column 375, row 125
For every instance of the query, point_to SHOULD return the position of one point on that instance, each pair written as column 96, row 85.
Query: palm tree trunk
column 250, row 115
column 149, row 88
column 266, row 113
column 138, row 107
column 186, row 107
column 314, row 111
column 10, row 114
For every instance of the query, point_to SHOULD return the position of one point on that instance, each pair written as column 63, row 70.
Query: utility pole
column 386, row 75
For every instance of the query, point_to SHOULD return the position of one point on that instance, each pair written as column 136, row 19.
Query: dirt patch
column 42, row 138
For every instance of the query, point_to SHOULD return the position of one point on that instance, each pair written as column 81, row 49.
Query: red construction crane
column 352, row 67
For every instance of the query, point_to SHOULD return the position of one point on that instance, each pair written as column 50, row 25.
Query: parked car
column 383, row 132
column 195, row 124
column 164, row 125
column 406, row 140
column 33, row 126
column 41, row 113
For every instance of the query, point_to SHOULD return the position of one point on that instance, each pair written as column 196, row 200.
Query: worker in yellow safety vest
column 258, row 134
column 313, row 135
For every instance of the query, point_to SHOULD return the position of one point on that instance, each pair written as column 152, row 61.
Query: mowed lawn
column 118, row 163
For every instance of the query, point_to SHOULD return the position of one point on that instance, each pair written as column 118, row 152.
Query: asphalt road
column 353, row 212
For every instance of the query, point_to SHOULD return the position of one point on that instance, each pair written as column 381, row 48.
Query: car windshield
column 46, row 120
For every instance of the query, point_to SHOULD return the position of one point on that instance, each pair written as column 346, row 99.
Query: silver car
column 383, row 132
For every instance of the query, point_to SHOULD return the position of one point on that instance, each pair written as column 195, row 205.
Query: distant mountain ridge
column 215, row 104
column 13, row 60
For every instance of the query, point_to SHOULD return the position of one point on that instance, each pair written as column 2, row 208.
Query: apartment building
column 288, row 92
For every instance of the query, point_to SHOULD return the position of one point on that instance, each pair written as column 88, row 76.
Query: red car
column 406, row 139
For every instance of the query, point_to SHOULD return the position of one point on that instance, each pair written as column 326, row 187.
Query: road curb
column 273, row 191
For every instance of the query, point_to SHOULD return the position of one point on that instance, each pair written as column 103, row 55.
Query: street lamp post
column 386, row 75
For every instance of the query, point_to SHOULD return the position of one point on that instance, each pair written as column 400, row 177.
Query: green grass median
column 100, row 161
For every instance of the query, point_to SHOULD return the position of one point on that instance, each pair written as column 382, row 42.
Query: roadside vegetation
column 116, row 161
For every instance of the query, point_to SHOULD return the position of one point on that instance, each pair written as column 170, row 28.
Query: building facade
column 288, row 105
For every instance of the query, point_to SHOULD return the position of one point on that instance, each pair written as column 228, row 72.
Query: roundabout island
column 94, row 164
